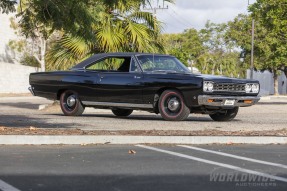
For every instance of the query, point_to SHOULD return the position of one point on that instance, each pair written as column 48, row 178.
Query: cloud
column 186, row 14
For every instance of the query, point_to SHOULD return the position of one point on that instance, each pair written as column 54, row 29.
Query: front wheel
column 172, row 107
column 122, row 112
column 71, row 104
column 228, row 115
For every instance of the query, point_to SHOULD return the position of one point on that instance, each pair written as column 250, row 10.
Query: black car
column 157, row 83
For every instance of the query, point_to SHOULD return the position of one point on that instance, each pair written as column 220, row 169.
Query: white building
column 6, row 34
column 14, row 77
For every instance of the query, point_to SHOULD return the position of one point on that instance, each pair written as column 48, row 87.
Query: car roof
column 102, row 55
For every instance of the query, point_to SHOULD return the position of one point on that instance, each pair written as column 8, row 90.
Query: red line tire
column 71, row 104
column 172, row 107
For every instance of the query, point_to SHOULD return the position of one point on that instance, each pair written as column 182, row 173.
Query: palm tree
column 120, row 26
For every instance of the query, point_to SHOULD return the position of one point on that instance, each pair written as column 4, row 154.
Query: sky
column 184, row 14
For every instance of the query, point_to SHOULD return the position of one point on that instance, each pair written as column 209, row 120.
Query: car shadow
column 145, row 117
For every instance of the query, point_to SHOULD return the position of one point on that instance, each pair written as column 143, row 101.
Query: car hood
column 223, row 79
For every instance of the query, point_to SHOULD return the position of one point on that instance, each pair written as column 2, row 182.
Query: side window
column 121, row 64
column 134, row 66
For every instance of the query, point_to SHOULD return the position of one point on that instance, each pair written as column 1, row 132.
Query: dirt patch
column 43, row 131
column 15, row 95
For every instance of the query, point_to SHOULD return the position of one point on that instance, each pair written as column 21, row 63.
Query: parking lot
column 23, row 112
column 152, row 167
column 141, row 167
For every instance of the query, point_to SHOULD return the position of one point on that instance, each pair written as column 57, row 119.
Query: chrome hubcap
column 71, row 101
column 173, row 104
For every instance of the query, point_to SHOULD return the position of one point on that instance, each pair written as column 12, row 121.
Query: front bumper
column 221, row 101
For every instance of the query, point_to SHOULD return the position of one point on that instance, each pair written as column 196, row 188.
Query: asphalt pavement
column 151, row 167
column 23, row 112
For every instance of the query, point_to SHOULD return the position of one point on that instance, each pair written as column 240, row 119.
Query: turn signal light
column 248, row 101
column 210, row 100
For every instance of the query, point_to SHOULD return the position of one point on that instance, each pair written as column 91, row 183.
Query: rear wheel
column 122, row 112
column 172, row 107
column 228, row 115
column 71, row 104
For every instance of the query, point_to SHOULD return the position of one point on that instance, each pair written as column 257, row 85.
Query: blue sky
column 185, row 14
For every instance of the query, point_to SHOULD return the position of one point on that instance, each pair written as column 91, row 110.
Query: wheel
column 228, row 115
column 71, row 104
column 172, row 107
column 122, row 112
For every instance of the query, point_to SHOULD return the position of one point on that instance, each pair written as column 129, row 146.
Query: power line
column 181, row 17
column 179, row 21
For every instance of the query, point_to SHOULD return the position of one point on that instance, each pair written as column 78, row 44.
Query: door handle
column 137, row 77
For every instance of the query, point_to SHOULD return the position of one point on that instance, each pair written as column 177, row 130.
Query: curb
column 83, row 140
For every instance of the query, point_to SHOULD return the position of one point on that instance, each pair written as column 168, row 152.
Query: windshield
column 155, row 63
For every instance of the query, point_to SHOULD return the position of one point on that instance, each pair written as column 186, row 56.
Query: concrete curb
column 83, row 139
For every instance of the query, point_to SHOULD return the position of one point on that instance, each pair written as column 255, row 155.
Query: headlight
column 248, row 88
column 252, row 88
column 207, row 86
column 255, row 88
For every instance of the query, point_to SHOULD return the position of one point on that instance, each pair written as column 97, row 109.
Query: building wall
column 267, row 82
column 6, row 34
column 14, row 78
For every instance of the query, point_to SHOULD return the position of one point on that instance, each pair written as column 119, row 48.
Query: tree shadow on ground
column 25, row 105
column 27, row 121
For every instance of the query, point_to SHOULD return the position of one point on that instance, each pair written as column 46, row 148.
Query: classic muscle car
column 157, row 83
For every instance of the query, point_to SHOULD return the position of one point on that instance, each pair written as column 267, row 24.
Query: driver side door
column 121, row 81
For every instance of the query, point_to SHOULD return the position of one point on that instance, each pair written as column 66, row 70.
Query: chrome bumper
column 31, row 90
column 220, row 101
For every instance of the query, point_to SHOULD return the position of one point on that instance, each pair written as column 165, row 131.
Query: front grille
column 228, row 87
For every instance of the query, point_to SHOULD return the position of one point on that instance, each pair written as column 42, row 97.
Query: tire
column 71, row 104
column 172, row 107
column 229, row 115
column 122, row 112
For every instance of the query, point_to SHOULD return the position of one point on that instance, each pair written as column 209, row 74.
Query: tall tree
column 220, row 56
column 239, row 32
column 209, row 49
column 186, row 46
column 272, row 14
column 121, row 27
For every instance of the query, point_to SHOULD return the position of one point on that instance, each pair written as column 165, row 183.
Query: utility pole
column 252, row 48
column 252, row 51
column 156, row 7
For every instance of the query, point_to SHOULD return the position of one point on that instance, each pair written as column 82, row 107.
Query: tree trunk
column 285, row 72
column 41, row 57
column 43, row 52
column 275, row 77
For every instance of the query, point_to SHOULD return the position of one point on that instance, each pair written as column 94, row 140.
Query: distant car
column 157, row 83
